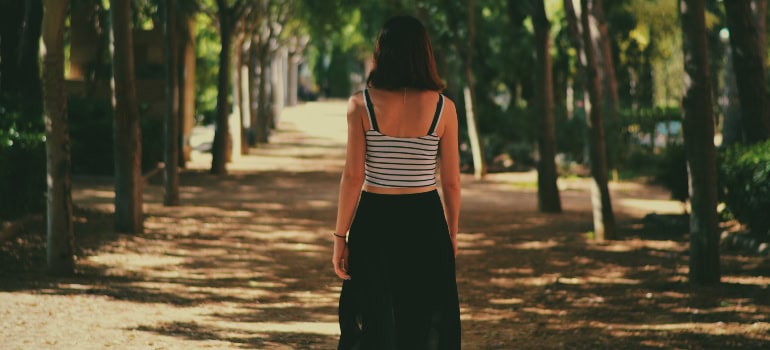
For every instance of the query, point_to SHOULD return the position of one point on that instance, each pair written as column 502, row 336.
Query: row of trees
column 586, row 58
column 255, row 29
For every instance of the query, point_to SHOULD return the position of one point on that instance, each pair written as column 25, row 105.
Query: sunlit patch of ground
column 244, row 263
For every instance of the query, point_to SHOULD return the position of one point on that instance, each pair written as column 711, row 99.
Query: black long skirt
column 402, row 293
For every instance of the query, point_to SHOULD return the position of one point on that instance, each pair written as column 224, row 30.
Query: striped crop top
column 400, row 162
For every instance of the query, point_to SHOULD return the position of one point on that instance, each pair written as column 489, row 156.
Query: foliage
column 22, row 167
column 744, row 173
column 91, row 135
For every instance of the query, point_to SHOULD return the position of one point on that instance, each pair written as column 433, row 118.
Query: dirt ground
column 245, row 263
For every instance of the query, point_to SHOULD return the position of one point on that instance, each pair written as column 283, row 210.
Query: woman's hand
column 340, row 258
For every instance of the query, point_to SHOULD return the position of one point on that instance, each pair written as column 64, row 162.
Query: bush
column 91, row 135
column 744, row 174
column 22, row 169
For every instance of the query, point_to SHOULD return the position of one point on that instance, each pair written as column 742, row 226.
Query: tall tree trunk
column 253, row 90
column 760, row 16
column 547, row 190
column 749, row 70
column 127, row 130
column 698, row 124
column 293, row 78
column 171, row 125
column 610, row 82
column 60, row 234
column 604, row 219
column 263, row 114
column 186, row 86
column 241, row 84
column 221, row 144
column 479, row 164
column 732, row 133
column 29, row 69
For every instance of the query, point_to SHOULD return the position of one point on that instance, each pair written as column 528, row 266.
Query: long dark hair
column 403, row 57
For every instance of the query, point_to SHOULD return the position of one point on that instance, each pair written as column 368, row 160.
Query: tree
column 604, row 219
column 228, row 16
column 171, row 120
column 611, row 99
column 547, row 190
column 749, row 70
column 479, row 165
column 129, row 215
column 698, row 124
column 60, row 232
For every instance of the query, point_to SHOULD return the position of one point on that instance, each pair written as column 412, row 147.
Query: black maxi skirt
column 402, row 294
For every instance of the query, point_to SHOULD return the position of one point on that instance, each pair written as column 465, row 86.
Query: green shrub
column 22, row 169
column 744, row 174
column 91, row 135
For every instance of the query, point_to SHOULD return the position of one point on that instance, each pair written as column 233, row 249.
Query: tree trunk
column 242, row 81
column 221, row 144
column 547, row 189
column 60, row 233
column 732, row 133
column 610, row 82
column 263, row 117
column 749, row 70
column 604, row 219
column 698, row 125
column 186, row 87
column 760, row 16
column 253, row 91
column 479, row 165
column 293, row 78
column 171, row 125
column 127, row 129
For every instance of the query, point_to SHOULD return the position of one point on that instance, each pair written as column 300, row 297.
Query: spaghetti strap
column 437, row 116
column 370, row 111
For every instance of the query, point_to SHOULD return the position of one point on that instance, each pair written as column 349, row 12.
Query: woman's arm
column 450, row 170
column 350, row 183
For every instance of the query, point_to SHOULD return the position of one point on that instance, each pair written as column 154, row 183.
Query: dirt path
column 244, row 263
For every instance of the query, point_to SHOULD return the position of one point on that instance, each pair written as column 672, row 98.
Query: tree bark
column 760, row 16
column 60, row 233
column 127, row 130
column 171, row 125
column 186, row 86
column 547, row 189
column 698, row 125
column 610, row 82
column 749, row 70
column 604, row 219
column 253, row 90
column 221, row 144
column 263, row 114
column 479, row 164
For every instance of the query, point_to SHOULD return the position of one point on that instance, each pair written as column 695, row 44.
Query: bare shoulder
column 449, row 107
column 356, row 105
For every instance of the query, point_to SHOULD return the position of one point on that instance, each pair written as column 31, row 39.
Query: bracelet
column 338, row 236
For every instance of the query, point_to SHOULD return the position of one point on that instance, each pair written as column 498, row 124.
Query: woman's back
column 404, row 113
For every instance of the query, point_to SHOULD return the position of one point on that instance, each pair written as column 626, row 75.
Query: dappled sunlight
column 534, row 245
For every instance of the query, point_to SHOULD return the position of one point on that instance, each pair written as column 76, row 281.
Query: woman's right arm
column 450, row 170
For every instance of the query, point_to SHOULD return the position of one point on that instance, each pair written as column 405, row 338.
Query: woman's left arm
column 350, row 183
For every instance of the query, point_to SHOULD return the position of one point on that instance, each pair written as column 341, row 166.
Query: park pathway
column 244, row 263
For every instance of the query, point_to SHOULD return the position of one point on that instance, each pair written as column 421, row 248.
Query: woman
column 395, row 243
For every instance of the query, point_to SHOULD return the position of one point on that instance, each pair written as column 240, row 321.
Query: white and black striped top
column 401, row 161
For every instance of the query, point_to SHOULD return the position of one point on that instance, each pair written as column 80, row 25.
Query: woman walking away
column 395, row 242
